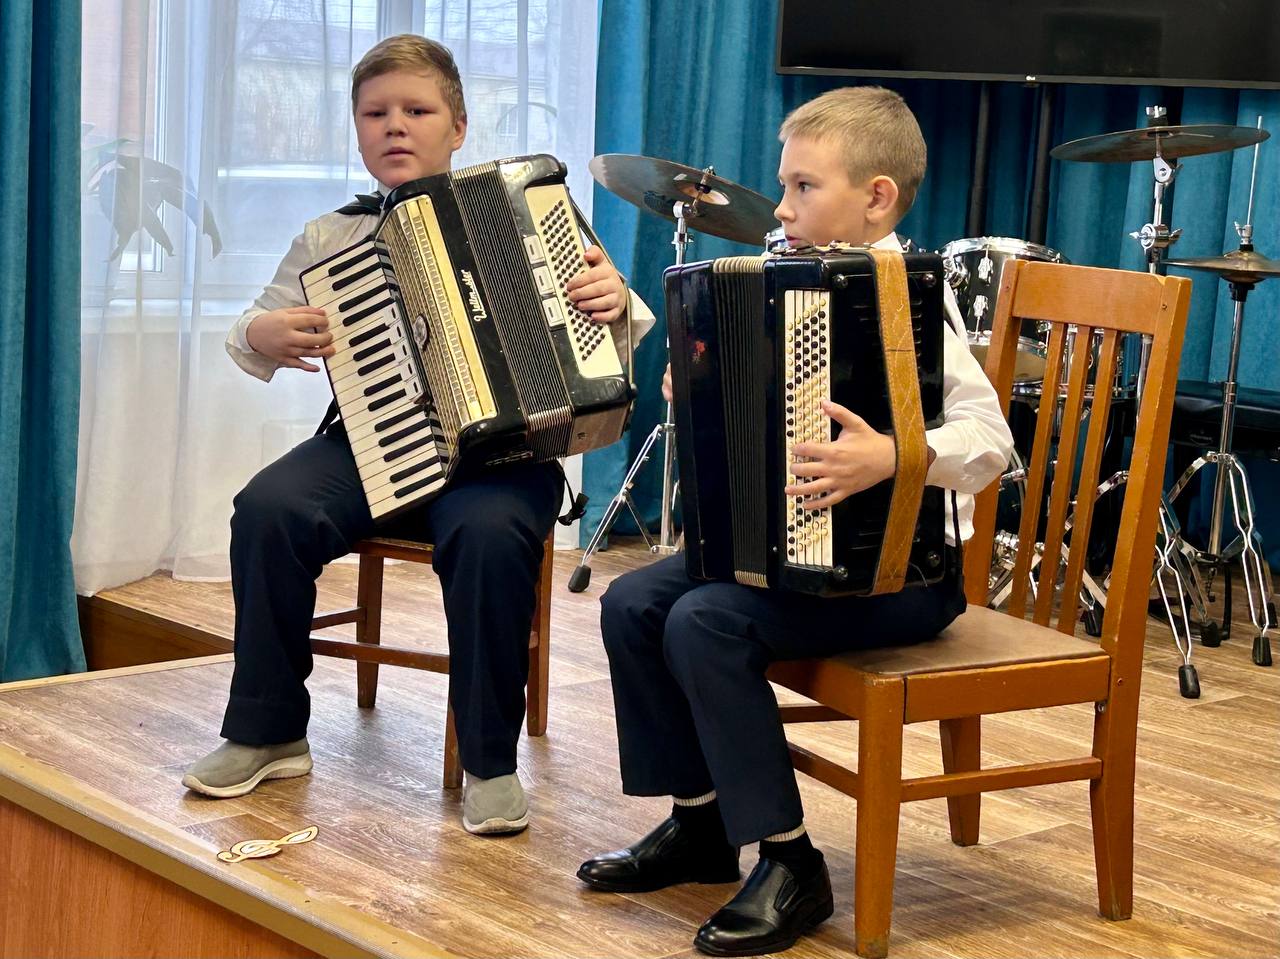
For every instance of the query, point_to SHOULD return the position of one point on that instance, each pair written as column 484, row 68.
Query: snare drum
column 974, row 267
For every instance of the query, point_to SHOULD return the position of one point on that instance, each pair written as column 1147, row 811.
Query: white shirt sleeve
column 284, row 290
column 973, row 444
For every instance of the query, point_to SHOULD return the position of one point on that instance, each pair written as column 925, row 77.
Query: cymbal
column 1238, row 266
column 1128, row 146
column 723, row 209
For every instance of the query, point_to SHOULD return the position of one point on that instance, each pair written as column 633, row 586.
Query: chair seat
column 979, row 638
column 410, row 551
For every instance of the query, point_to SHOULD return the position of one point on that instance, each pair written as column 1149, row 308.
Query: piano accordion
column 455, row 341
column 756, row 344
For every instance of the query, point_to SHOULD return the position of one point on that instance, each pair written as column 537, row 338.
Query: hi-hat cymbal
column 723, row 208
column 1238, row 266
column 1128, row 146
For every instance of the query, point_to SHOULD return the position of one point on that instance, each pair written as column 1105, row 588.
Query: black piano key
column 365, row 335
column 346, row 281
column 415, row 468
column 406, row 450
column 351, row 302
column 407, row 431
column 375, row 366
column 400, row 417
column 367, row 312
column 359, row 256
column 414, row 487
column 384, row 401
column 369, row 351
column 379, row 387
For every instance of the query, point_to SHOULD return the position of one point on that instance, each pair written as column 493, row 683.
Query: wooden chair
column 993, row 662
column 368, row 651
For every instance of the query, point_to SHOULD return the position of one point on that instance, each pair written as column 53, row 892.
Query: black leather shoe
column 769, row 913
column 667, row 856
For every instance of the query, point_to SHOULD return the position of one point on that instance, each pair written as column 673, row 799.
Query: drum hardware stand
column 665, row 545
column 1230, row 477
column 1092, row 594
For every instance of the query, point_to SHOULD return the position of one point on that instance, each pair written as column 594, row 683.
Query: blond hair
column 416, row 54
column 875, row 132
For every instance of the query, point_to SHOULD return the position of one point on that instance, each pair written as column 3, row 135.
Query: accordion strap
column 903, row 380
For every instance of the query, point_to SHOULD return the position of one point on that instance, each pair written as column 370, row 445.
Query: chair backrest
column 1072, row 302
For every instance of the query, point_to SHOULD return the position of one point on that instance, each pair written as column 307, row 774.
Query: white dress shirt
column 973, row 444
column 322, row 237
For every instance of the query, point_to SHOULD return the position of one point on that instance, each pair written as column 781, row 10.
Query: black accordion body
column 756, row 344
column 455, row 341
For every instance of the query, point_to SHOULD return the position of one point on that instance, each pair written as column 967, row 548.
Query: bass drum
column 974, row 267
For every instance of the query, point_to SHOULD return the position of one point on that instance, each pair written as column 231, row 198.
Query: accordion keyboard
column 399, row 447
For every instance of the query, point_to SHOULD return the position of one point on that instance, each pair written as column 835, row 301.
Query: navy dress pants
column 694, row 710
column 308, row 508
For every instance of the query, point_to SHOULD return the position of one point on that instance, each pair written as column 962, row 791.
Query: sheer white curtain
column 212, row 131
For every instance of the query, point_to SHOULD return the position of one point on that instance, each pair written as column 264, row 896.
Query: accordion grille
column 459, row 388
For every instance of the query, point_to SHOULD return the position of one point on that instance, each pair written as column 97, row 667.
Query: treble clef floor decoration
column 261, row 848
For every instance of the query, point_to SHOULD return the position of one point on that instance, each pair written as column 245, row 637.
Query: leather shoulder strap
column 903, row 379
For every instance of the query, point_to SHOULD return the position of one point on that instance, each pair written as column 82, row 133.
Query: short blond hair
column 408, row 51
column 875, row 132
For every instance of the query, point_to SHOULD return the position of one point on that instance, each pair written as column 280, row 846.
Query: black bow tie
column 364, row 204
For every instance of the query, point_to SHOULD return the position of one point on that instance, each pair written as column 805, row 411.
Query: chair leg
column 1111, row 805
column 540, row 648
column 879, row 801
column 962, row 752
column 369, row 628
column 452, row 758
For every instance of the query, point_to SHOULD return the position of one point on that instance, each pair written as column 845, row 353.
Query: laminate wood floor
column 1208, row 800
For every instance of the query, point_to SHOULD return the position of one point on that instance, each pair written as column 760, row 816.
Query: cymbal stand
column 683, row 211
column 1230, row 478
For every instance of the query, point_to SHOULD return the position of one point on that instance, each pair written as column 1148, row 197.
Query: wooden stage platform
column 102, row 852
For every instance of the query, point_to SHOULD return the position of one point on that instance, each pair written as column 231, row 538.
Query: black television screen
column 1210, row 43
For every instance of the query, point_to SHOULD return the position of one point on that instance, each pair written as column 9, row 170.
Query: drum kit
column 699, row 200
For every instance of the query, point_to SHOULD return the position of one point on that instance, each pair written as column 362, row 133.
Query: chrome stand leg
column 581, row 576
column 1257, row 575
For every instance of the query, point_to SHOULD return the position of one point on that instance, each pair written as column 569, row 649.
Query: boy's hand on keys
column 598, row 291
column 858, row 459
column 289, row 334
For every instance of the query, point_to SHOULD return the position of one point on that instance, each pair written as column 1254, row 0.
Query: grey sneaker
column 494, row 805
column 233, row 769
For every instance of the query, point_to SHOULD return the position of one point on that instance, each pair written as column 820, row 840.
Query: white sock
column 696, row 800
column 787, row 836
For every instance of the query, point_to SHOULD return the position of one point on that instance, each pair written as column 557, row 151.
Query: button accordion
column 455, row 340
column 756, row 344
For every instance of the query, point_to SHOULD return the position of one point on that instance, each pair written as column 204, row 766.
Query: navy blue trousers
column 694, row 710
column 308, row 508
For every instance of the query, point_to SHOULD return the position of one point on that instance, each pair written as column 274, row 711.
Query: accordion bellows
column 455, row 340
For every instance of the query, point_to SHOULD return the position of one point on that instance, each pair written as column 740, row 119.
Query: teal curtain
column 710, row 96
column 39, row 334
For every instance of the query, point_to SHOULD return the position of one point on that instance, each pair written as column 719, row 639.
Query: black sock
column 798, row 855
column 702, row 821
